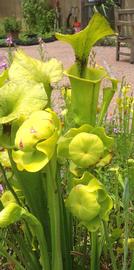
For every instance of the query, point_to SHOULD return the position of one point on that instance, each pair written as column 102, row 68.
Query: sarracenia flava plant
column 30, row 132
column 85, row 81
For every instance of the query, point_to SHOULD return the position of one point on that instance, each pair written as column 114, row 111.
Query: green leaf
column 74, row 131
column 131, row 176
column 10, row 214
column 25, row 67
column 20, row 99
column 107, row 140
column 83, row 41
column 84, row 180
column 3, row 77
column 13, row 213
column 92, row 226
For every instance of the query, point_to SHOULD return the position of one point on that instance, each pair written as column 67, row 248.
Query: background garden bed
column 28, row 42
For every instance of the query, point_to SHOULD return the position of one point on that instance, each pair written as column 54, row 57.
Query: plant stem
column 114, row 266
column 65, row 226
column 54, row 212
column 132, row 262
column 38, row 229
column 94, row 253
column 126, row 219
column 5, row 254
column 8, row 185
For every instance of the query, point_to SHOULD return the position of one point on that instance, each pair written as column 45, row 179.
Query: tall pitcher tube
column 85, row 93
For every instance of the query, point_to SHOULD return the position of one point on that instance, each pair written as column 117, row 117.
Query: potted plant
column 12, row 27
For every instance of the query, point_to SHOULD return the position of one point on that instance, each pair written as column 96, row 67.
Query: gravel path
column 105, row 56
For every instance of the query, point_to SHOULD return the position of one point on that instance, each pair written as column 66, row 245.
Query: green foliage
column 11, row 24
column 27, row 68
column 2, row 29
column 38, row 16
column 16, row 97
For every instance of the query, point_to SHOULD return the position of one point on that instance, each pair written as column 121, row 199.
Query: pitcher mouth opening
column 91, row 74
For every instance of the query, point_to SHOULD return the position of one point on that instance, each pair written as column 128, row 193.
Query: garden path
column 105, row 56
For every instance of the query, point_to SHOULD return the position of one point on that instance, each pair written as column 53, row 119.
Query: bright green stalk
column 10, row 55
column 54, row 212
column 94, row 251
column 126, row 218
column 66, row 226
column 132, row 131
column 132, row 262
column 109, row 246
column 94, row 104
column 38, row 229
column 32, row 188
column 107, row 97
column 13, row 213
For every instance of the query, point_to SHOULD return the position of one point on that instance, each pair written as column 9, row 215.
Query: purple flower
column 3, row 62
column 1, row 188
column 116, row 130
column 9, row 40
column 3, row 65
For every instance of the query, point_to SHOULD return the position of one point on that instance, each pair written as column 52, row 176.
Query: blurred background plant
column 38, row 16
column 12, row 26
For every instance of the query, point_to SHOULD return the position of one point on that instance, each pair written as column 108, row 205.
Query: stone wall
column 10, row 8
column 129, row 3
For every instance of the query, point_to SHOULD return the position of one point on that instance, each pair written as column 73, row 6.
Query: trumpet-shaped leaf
column 83, row 41
column 85, row 93
column 89, row 203
column 20, row 99
column 36, row 140
column 85, row 82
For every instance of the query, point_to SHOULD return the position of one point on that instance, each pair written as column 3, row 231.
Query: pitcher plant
column 35, row 202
